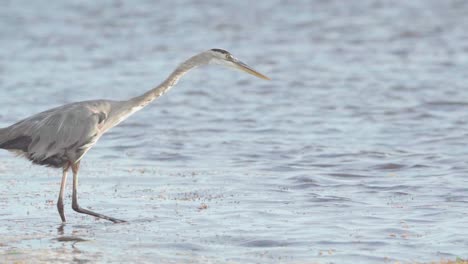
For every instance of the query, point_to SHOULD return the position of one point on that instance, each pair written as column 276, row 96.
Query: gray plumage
column 58, row 135
column 61, row 136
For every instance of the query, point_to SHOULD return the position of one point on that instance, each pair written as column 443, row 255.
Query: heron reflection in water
column 61, row 136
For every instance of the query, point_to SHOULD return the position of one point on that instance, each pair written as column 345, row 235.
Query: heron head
column 222, row 57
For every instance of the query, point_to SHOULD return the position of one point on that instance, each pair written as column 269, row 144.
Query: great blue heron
column 61, row 136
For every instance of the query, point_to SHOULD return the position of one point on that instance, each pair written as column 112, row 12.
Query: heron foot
column 78, row 209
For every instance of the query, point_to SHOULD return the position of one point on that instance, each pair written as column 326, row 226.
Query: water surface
column 354, row 152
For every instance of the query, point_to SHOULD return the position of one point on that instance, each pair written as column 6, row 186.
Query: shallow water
column 354, row 152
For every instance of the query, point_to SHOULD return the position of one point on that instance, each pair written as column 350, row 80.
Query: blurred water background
column 354, row 152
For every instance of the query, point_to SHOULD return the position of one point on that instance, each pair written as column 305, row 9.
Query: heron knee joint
column 75, row 207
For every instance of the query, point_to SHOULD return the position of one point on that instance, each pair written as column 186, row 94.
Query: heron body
column 61, row 136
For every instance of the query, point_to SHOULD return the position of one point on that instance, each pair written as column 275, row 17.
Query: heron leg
column 75, row 167
column 62, row 189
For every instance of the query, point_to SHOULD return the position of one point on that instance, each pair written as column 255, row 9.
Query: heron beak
column 244, row 67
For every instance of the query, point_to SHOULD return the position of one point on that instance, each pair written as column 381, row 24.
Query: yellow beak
column 244, row 67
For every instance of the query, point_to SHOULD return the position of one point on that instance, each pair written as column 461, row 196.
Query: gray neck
column 143, row 100
column 127, row 108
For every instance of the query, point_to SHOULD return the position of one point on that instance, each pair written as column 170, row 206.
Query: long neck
column 146, row 98
column 127, row 108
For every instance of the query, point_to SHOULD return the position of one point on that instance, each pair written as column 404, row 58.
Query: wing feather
column 61, row 134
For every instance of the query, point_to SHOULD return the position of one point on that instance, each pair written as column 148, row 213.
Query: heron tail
column 3, row 134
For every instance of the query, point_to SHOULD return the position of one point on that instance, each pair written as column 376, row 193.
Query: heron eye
column 229, row 57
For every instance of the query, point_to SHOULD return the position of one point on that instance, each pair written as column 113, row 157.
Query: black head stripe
column 220, row 51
